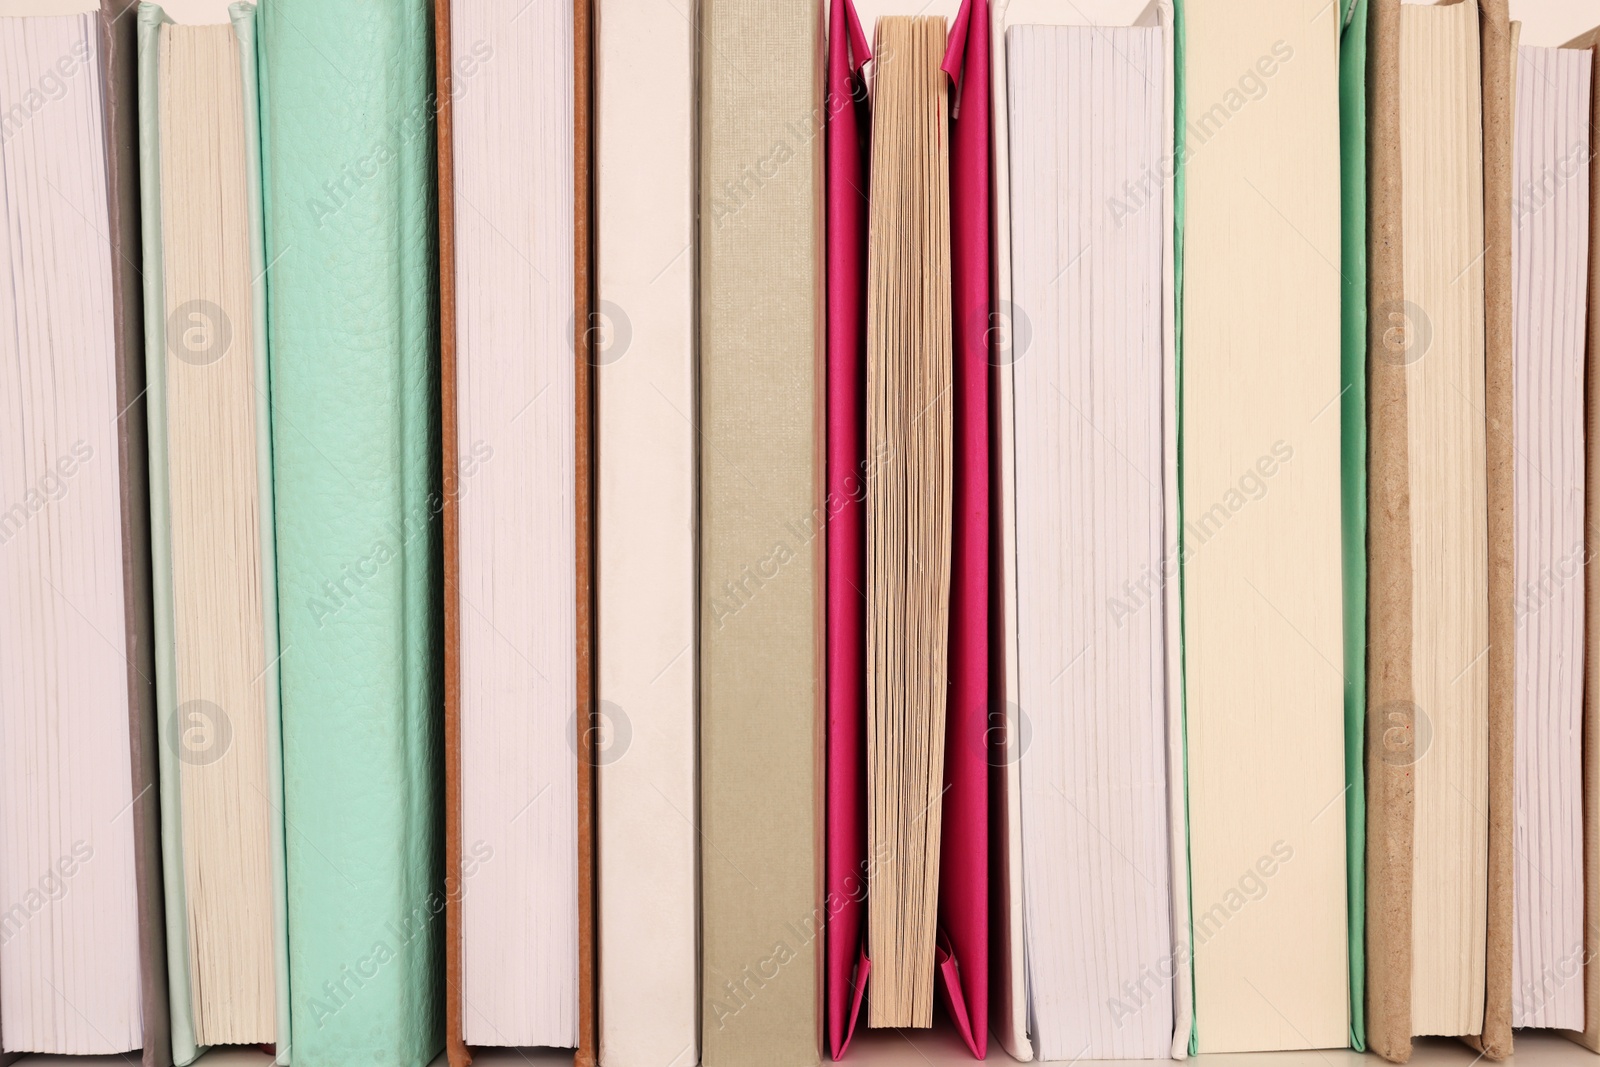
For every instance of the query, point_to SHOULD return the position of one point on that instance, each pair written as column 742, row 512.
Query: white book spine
column 646, row 528
column 516, row 381
column 69, row 959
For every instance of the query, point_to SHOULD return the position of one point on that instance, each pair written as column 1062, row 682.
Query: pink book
column 964, row 847
column 846, row 546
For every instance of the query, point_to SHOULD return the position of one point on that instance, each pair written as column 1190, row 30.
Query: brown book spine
column 588, row 1052
column 454, row 1019
column 1391, row 799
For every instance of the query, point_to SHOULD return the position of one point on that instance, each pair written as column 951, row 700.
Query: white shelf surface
column 941, row 1047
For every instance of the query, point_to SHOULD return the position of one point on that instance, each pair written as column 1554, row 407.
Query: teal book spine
column 347, row 152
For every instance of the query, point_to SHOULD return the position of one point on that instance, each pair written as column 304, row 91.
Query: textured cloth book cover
column 351, row 324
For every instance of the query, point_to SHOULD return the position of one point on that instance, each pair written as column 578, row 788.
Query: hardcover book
column 83, row 967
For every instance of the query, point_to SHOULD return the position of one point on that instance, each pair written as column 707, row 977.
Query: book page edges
column 1390, row 798
column 1009, row 1019
column 151, row 20
column 243, row 18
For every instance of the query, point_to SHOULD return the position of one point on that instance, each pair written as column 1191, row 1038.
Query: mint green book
column 348, row 172
column 212, row 538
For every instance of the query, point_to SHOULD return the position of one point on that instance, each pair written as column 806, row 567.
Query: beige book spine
column 647, row 797
column 1391, row 796
column 1495, row 40
column 761, row 531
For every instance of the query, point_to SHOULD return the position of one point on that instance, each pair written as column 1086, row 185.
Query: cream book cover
column 646, row 483
column 1261, row 549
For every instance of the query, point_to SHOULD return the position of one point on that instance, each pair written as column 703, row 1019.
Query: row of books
column 680, row 533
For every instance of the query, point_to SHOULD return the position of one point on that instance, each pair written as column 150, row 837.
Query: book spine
column 243, row 17
column 586, row 720
column 643, row 333
column 120, row 54
column 456, row 1051
column 1496, row 58
column 1589, row 1037
column 151, row 23
column 761, row 531
column 1353, row 445
column 1389, row 684
column 846, row 476
column 964, row 845
column 349, row 201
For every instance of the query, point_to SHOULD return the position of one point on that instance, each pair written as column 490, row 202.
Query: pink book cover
column 846, row 545
column 964, row 845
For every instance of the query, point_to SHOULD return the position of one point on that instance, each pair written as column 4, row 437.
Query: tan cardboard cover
column 1390, row 740
column 1495, row 1042
column 1589, row 1036
column 1390, row 795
